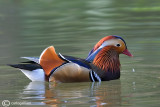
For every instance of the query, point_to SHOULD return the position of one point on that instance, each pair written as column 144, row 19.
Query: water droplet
column 133, row 70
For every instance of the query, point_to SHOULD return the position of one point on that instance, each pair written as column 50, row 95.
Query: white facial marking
column 113, row 42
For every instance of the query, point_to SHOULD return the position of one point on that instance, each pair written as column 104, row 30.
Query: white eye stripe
column 110, row 42
column 107, row 43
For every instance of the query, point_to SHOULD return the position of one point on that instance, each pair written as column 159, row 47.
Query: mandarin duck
column 102, row 63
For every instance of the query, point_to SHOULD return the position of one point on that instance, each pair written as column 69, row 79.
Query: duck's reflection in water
column 70, row 94
column 34, row 93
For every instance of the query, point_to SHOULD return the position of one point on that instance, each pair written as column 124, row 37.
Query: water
column 73, row 27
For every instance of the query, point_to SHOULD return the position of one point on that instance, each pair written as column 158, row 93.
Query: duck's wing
column 59, row 68
column 79, row 61
column 72, row 70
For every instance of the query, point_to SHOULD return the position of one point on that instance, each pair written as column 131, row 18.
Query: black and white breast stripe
column 94, row 77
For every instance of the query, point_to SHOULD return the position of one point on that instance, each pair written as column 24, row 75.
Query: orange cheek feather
column 121, row 48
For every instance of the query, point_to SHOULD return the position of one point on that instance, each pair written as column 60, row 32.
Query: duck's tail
column 39, row 69
column 32, row 70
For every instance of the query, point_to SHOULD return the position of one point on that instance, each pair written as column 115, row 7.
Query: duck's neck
column 108, row 60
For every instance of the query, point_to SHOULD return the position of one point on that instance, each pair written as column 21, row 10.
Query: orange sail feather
column 50, row 60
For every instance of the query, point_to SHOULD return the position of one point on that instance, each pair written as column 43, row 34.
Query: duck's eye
column 118, row 45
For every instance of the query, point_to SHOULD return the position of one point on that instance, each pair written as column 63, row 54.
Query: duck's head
column 105, row 55
column 116, row 42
